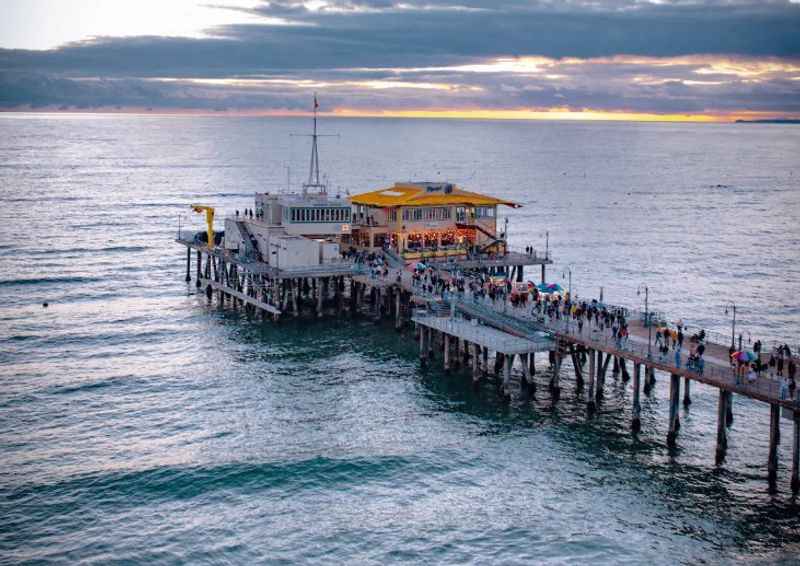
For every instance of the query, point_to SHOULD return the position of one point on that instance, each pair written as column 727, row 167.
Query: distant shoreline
column 770, row 121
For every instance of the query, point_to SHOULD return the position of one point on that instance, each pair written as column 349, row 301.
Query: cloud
column 685, row 56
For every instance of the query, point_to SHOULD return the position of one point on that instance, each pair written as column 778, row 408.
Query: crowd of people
column 499, row 293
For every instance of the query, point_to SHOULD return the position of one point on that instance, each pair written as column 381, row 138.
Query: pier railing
column 709, row 369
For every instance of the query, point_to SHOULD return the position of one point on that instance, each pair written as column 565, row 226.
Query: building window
column 461, row 214
column 485, row 212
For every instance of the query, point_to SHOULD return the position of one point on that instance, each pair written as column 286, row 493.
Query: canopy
column 744, row 356
column 550, row 288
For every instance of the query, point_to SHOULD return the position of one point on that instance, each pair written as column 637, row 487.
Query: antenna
column 313, row 168
column 288, row 178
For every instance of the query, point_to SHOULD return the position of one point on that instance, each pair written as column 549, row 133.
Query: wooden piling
column 601, row 375
column 398, row 317
column 729, row 410
column 796, row 454
column 446, row 352
column 591, row 405
column 507, row 365
column 498, row 362
column 423, row 349
column 555, row 387
column 188, row 264
column 319, row 300
column 722, row 430
column 526, row 370
column 636, row 419
column 687, row 398
column 774, row 439
column 197, row 275
column 674, row 420
column 476, row 372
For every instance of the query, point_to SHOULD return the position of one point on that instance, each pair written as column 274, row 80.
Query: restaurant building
column 427, row 218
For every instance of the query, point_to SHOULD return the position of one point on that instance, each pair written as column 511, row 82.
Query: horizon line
column 552, row 114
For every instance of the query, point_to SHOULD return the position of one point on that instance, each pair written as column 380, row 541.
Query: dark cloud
column 348, row 42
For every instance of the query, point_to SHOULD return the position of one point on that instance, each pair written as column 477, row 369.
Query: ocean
column 139, row 424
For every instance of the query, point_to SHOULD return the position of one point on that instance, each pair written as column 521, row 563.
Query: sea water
column 141, row 424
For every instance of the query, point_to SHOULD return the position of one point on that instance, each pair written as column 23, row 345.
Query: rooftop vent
column 437, row 187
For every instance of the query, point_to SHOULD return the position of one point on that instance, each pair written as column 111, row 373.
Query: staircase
column 495, row 239
column 250, row 245
column 394, row 260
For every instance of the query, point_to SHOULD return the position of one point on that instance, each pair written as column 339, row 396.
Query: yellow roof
column 426, row 194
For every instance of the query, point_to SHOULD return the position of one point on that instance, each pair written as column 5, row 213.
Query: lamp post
column 647, row 320
column 547, row 245
column 569, row 272
column 733, row 324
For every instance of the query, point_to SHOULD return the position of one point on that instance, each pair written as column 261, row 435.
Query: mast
column 313, row 170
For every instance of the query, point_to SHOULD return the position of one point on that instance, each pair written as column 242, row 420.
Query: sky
column 707, row 60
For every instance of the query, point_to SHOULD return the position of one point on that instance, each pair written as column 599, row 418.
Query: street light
column 647, row 318
column 563, row 275
column 733, row 324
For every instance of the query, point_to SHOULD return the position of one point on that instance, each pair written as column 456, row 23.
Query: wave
column 58, row 251
column 120, row 488
column 46, row 281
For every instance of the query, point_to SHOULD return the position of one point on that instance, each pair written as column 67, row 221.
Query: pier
column 495, row 338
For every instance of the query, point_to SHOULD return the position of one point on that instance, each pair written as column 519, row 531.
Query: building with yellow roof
column 427, row 218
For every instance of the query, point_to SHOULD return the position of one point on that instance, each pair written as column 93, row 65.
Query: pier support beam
column 398, row 317
column 601, row 375
column 591, row 405
column 722, row 430
column 555, row 388
column 423, row 349
column 576, row 364
column 623, row 364
column 197, row 275
column 319, row 300
column 648, row 382
column 526, row 370
column 446, row 351
column 507, row 365
column 687, row 398
column 498, row 362
column 774, row 439
column 636, row 418
column 729, row 410
column 188, row 264
column 796, row 454
column 674, row 420
column 476, row 369
column 485, row 360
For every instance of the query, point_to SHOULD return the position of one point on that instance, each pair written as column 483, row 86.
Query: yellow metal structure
column 209, row 210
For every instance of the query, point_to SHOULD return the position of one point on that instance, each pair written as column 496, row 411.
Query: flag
column 316, row 104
